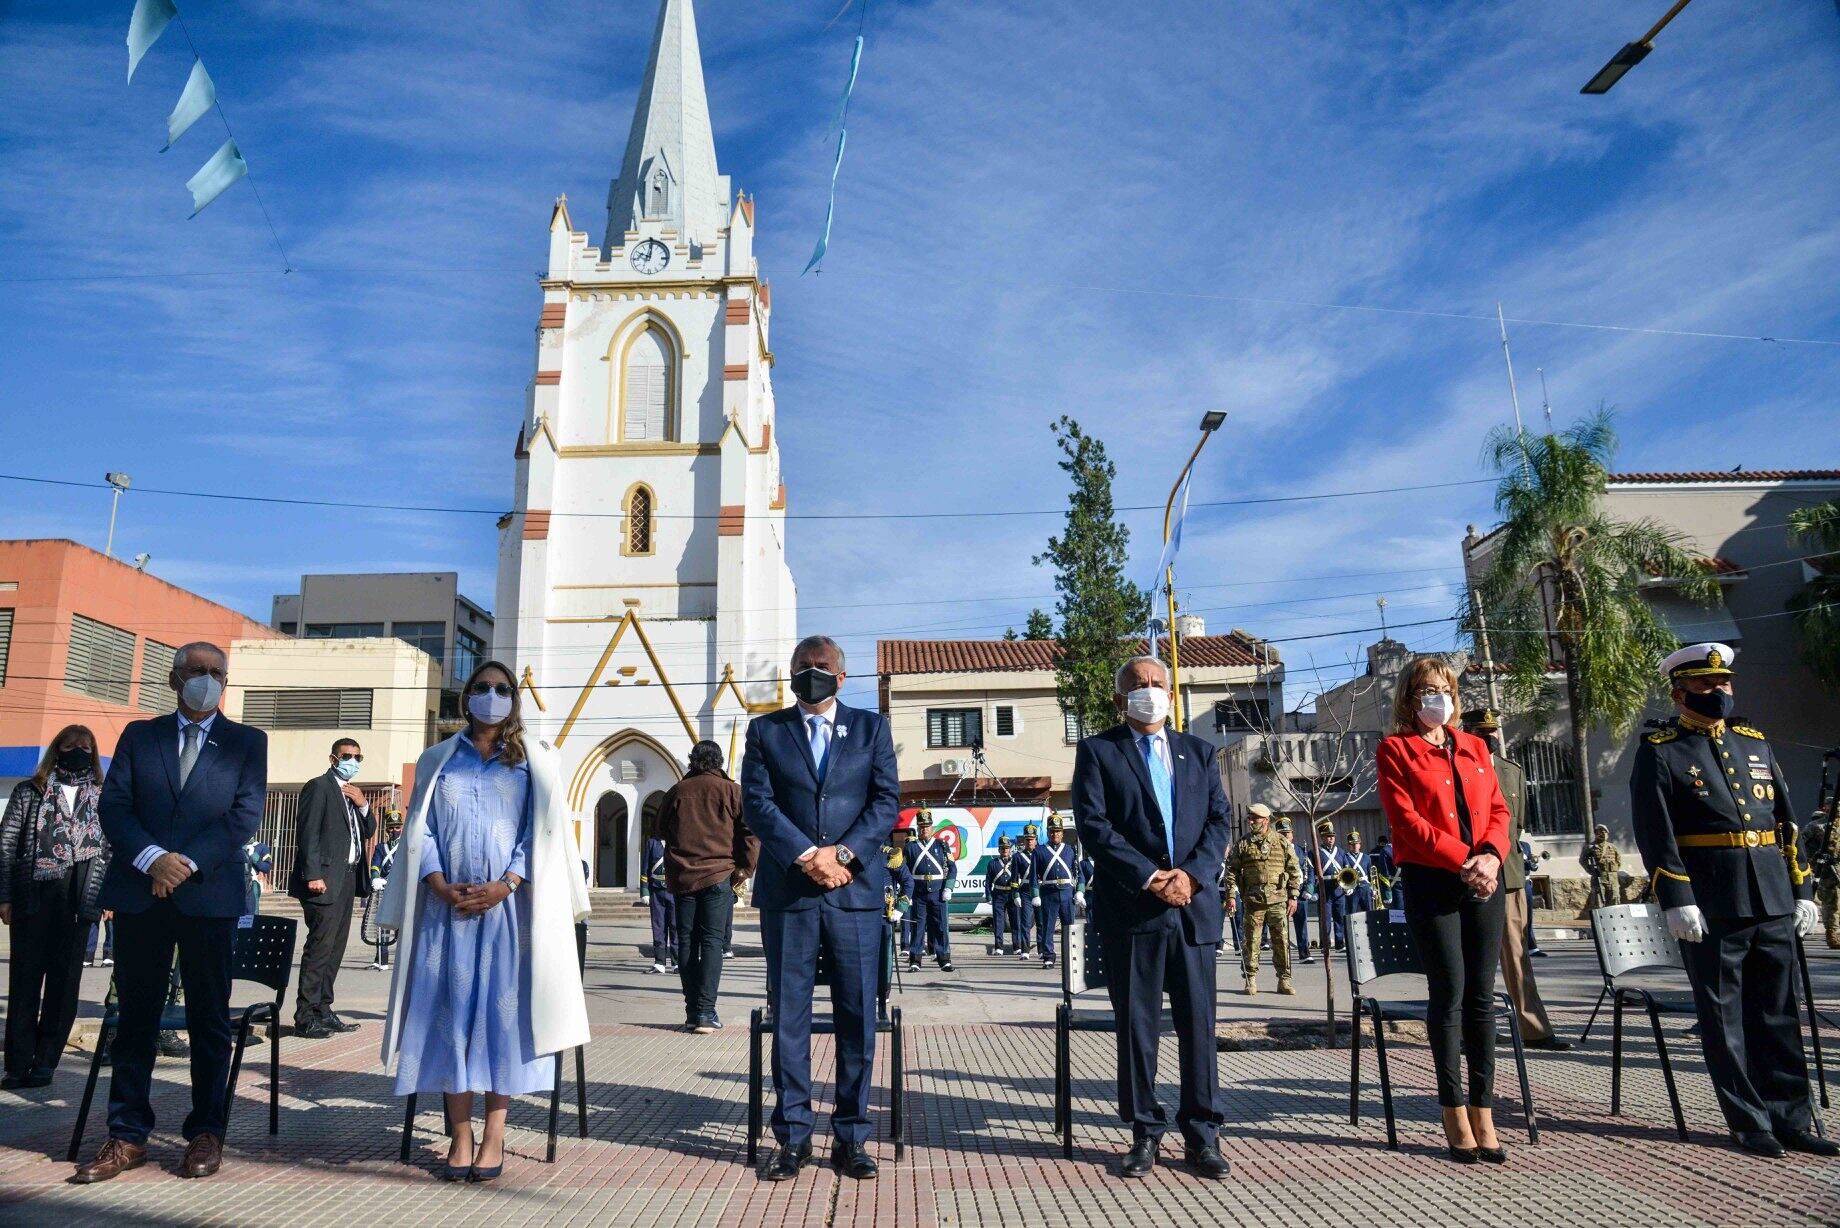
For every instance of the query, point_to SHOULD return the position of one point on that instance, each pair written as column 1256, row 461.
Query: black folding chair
column 555, row 1094
column 264, row 953
column 887, row 1021
column 1632, row 939
column 1381, row 947
column 1082, row 968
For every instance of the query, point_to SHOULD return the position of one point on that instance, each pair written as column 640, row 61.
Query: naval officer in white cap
column 1708, row 801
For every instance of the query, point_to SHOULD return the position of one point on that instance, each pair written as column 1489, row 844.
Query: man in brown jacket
column 1516, row 968
column 708, row 854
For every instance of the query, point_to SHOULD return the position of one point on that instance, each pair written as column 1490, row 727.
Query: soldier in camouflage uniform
column 1605, row 865
column 1821, row 844
column 1263, row 872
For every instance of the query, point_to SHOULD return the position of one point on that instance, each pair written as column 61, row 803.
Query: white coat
column 558, row 899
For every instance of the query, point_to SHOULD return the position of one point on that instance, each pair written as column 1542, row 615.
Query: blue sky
column 1044, row 209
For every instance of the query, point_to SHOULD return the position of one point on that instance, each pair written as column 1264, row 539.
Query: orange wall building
column 87, row 639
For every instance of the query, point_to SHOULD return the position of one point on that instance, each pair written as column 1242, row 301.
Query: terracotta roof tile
column 990, row 656
column 1741, row 475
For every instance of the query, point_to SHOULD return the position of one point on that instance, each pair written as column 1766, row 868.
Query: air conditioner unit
column 955, row 767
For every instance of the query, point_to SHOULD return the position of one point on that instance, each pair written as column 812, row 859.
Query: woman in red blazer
column 1449, row 825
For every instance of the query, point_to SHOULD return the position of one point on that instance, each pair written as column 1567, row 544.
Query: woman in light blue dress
column 465, row 1025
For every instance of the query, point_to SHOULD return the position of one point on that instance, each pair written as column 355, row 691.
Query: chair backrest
column 1082, row 960
column 1379, row 945
column 1632, row 937
column 265, row 952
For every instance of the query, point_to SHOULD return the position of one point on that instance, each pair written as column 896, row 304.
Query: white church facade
column 643, row 593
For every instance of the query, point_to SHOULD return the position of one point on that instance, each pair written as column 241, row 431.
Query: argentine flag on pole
column 1167, row 558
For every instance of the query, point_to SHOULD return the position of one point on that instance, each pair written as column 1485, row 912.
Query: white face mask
column 1147, row 705
column 490, row 708
column 1436, row 709
column 201, row 694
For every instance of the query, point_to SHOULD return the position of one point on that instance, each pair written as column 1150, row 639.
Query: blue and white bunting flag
column 200, row 96
column 145, row 27
column 225, row 168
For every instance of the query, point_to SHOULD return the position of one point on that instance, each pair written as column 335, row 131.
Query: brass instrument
column 1383, row 888
column 1348, row 878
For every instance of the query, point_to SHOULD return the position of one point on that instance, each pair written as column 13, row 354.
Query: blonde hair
column 1405, row 690
column 511, row 733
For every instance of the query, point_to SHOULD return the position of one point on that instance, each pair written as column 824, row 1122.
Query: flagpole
column 1210, row 422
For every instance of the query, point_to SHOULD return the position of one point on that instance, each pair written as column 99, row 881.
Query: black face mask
column 71, row 762
column 814, row 685
column 1713, row 705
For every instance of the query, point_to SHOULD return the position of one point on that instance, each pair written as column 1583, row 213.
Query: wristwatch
column 844, row 856
column 510, row 886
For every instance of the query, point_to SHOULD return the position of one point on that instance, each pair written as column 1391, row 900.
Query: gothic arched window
column 640, row 515
column 645, row 407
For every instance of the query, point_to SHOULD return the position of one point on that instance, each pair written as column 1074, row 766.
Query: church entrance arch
column 611, row 864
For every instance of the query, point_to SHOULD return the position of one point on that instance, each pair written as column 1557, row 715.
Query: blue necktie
column 1165, row 791
column 820, row 742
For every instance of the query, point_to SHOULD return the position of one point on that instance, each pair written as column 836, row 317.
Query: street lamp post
column 1631, row 55
column 121, row 482
column 1210, row 422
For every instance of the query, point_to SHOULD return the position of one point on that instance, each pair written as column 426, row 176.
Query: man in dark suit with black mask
column 1153, row 817
column 330, row 870
column 183, row 795
column 820, row 791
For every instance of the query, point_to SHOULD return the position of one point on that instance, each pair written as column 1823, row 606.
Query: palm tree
column 1815, row 610
column 1565, row 579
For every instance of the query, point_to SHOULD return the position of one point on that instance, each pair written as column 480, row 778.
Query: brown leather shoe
column 203, row 1156
column 116, row 1157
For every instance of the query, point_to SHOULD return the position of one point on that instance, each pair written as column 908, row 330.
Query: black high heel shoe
column 1492, row 1155
column 1462, row 1155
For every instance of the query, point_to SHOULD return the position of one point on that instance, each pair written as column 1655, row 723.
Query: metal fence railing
column 280, row 828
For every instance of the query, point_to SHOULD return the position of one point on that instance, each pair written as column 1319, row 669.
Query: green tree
column 1815, row 610
column 1039, row 627
column 1565, row 578
column 1101, row 612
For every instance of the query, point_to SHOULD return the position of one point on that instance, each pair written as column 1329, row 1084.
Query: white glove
column 1806, row 914
column 1688, row 924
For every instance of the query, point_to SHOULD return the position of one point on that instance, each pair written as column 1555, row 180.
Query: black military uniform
column 1708, row 800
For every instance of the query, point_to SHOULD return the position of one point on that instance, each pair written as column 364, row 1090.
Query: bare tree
column 1341, row 774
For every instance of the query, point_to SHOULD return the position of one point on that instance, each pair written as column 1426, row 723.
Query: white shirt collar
column 204, row 725
column 828, row 716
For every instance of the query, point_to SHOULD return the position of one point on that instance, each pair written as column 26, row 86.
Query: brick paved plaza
column 668, row 1118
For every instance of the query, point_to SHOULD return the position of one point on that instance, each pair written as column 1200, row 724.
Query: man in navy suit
column 1154, row 883
column 183, row 796
column 820, row 790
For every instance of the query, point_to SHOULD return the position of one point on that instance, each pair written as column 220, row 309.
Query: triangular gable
column 728, row 686
column 630, row 620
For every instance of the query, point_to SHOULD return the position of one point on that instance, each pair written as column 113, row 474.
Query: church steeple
column 668, row 176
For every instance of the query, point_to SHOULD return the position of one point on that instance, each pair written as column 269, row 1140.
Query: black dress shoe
column 338, row 1024
column 1551, row 1043
column 1807, row 1141
column 1140, row 1159
column 13, row 1081
column 786, row 1162
column 314, row 1028
column 852, row 1160
column 1208, row 1162
column 40, row 1077
column 1758, row 1142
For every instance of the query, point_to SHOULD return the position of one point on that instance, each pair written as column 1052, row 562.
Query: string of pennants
column 222, row 169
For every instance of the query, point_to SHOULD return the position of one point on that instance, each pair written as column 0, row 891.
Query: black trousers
column 1140, row 969
column 144, row 945
column 328, row 930
column 43, row 975
column 704, row 920
column 1458, row 941
column 1743, row 988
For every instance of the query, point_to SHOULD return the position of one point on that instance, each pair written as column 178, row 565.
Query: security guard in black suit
column 1712, row 818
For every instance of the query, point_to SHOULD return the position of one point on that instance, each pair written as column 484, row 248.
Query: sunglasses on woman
column 492, row 688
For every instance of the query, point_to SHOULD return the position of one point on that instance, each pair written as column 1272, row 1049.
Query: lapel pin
column 843, row 731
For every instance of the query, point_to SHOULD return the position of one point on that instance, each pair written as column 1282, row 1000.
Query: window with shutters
column 6, row 641
column 312, row 708
column 101, row 660
column 156, row 664
column 1072, row 727
column 1005, row 720
column 645, row 401
column 954, row 727
column 641, row 521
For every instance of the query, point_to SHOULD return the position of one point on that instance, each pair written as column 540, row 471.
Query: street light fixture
column 121, row 482
column 1210, row 422
column 1631, row 55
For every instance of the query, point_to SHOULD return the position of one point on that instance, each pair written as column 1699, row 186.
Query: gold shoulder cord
column 1787, row 838
column 1663, row 735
